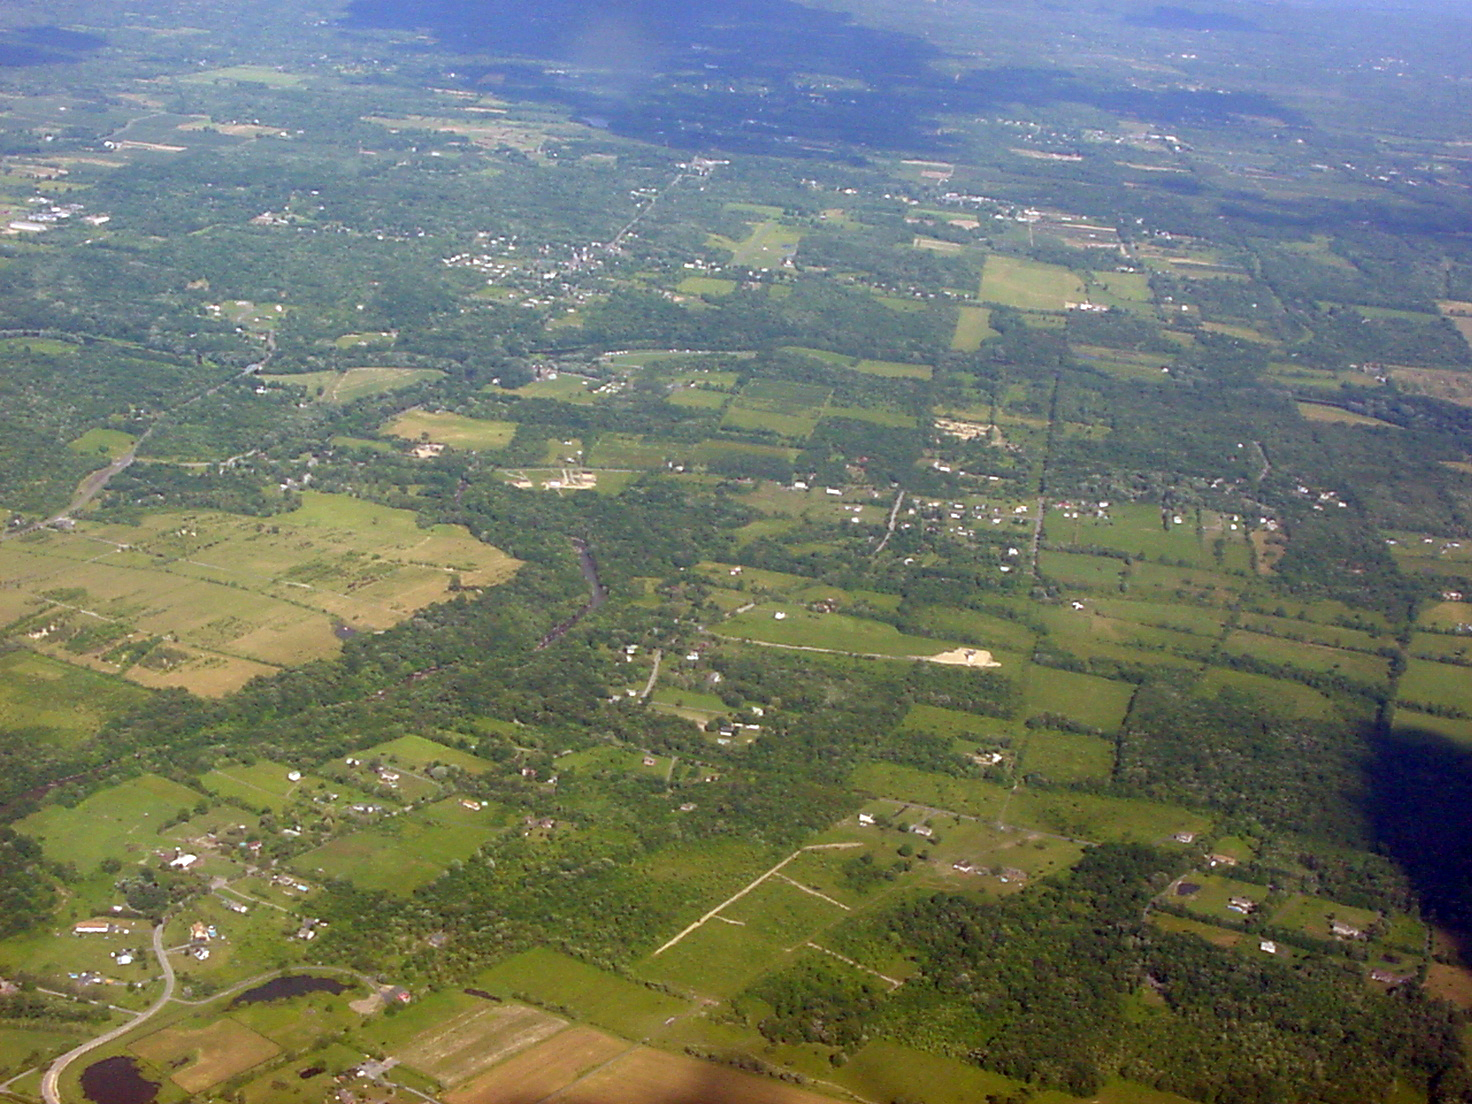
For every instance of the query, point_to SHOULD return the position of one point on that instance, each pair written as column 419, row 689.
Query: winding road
column 51, row 1080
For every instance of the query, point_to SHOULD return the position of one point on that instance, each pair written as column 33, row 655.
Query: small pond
column 297, row 985
column 117, row 1081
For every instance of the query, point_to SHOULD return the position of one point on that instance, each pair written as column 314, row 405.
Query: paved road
column 50, row 1083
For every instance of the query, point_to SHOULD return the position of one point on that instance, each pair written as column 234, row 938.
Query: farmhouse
column 866, row 818
column 1245, row 905
column 1342, row 930
column 1267, row 946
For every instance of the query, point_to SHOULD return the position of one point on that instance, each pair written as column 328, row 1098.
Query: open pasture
column 1313, row 915
column 120, row 822
column 940, row 791
column 565, row 388
column 354, row 383
column 718, row 959
column 237, row 596
column 1309, row 657
column 454, row 430
column 1067, row 756
column 109, row 443
column 1124, row 364
column 1028, row 285
column 705, row 285
column 535, row 1074
column 420, row 753
column 1163, row 615
column 247, row 74
column 784, row 909
column 1446, row 616
column 786, row 409
column 769, row 245
column 462, row 1045
column 630, row 450
column 406, row 851
column 1095, row 701
column 837, row 632
column 262, row 784
column 1081, row 570
column 893, row 369
column 203, row 1056
column 58, row 702
column 1100, row 819
column 1292, row 698
column 1337, row 415
column 947, row 722
column 1456, row 729
column 597, row 996
column 973, row 326
column 1432, row 683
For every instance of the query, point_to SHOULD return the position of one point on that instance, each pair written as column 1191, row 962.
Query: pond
column 296, row 985
column 117, row 1081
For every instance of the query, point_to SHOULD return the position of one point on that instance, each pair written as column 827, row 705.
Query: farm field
column 235, row 596
column 769, row 245
column 66, row 703
column 593, row 995
column 108, row 443
column 120, row 822
column 973, row 326
column 1028, row 285
column 419, row 753
column 541, row 1071
column 405, row 852
column 354, row 383
column 802, row 628
column 200, row 1057
column 460, row 1046
column 453, row 430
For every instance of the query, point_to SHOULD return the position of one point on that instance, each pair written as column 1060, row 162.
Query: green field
column 119, row 822
column 1435, row 683
column 263, row 784
column 235, row 596
column 1028, row 285
column 109, row 443
column 961, row 795
column 405, row 852
column 800, row 627
column 555, row 980
column 891, row 369
column 706, row 285
column 355, row 383
column 1067, row 756
column 769, row 245
column 419, row 753
column 973, row 326
column 1087, row 698
column 1101, row 819
column 454, row 430
column 248, row 74
column 58, row 703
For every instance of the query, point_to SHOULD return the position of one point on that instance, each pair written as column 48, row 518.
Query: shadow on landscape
column 45, row 45
column 1420, row 811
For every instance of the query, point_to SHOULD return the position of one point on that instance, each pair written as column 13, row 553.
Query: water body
column 297, row 985
column 117, row 1081
column 757, row 76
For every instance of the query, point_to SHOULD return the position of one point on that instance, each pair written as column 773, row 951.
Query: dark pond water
column 117, row 1081
column 298, row 985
